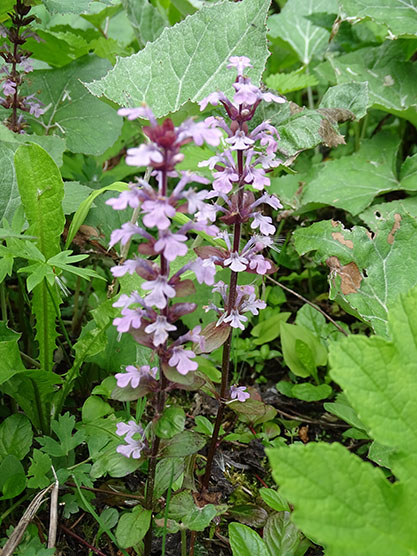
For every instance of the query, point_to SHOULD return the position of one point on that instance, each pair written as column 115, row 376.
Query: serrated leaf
column 10, row 360
column 398, row 15
column 244, row 541
column 291, row 81
column 88, row 125
column 39, row 468
column 67, row 6
column 42, row 190
column 377, row 376
column 351, row 96
column 368, row 273
column 176, row 67
column 391, row 79
column 291, row 25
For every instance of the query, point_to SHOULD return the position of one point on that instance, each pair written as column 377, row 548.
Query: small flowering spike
column 132, row 448
column 240, row 63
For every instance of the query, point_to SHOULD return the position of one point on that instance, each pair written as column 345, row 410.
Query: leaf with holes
column 368, row 272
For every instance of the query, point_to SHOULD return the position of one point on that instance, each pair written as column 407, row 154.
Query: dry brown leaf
column 397, row 224
column 350, row 275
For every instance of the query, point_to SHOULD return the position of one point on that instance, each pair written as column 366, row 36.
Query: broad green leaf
column 199, row 518
column 282, row 537
column 9, row 193
column 168, row 470
column 15, row 436
column 311, row 393
column 366, row 272
column 75, row 194
column 391, row 79
column 183, row 444
column 67, row 6
column 147, row 21
column 352, row 182
column 253, row 411
column 244, row 541
column 94, row 408
column 269, row 329
column 291, row 25
column 408, row 173
column 10, row 360
column 303, row 358
column 42, row 190
column 400, row 16
column 88, row 125
column 274, row 499
column 132, row 526
column 289, row 82
column 170, row 423
column 351, row 96
column 182, row 63
column 373, row 214
column 12, row 477
column 378, row 377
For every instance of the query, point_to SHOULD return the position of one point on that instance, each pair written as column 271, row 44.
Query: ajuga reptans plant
column 181, row 204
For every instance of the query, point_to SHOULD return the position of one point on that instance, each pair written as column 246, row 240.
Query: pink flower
column 129, row 198
column 235, row 319
column 128, row 266
column 157, row 213
column 181, row 359
column 160, row 329
column 264, row 223
column 236, row 262
column 133, row 375
column 259, row 263
column 131, row 318
column 123, row 234
column 144, row 155
column 246, row 92
column 240, row 141
column 240, row 63
column 239, row 392
column 133, row 447
column 160, row 291
column 204, row 270
column 171, row 245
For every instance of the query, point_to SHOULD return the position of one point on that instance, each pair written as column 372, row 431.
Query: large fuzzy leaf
column 341, row 501
column 367, row 271
column 188, row 61
column 42, row 190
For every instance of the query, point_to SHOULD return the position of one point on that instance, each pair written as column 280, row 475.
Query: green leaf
column 367, row 272
column 12, row 477
column 9, row 194
column 245, row 541
column 89, row 125
column 95, row 408
column 377, row 376
column 170, row 423
column 66, row 440
column 398, row 15
column 132, row 526
column 282, row 537
column 304, row 357
column 291, row 25
column 168, row 470
column 199, row 518
column 274, row 499
column 42, row 190
column 291, row 81
column 311, row 393
column 391, row 79
column 10, row 360
column 351, row 96
column 169, row 71
column 147, row 21
column 67, row 6
column 269, row 329
column 39, row 470
column 15, row 436
column 352, row 182
column 183, row 444
column 253, row 411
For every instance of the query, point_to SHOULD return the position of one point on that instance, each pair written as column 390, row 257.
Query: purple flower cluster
column 240, row 171
column 16, row 65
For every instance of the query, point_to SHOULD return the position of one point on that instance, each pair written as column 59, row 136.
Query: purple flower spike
column 144, row 155
column 160, row 291
column 160, row 329
column 171, row 245
column 9, row 87
column 128, row 266
column 204, row 270
column 246, row 92
column 129, row 198
column 132, row 318
column 157, row 213
column 239, row 393
column 240, row 141
column 140, row 112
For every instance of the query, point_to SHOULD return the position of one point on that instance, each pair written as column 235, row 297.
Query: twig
column 27, row 517
column 316, row 307
column 81, row 540
column 304, row 419
column 109, row 492
column 53, row 513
